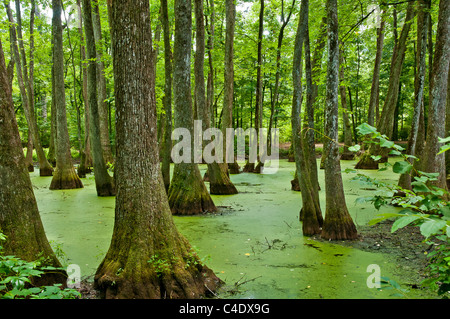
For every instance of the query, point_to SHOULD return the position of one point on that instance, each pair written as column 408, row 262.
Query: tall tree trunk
column 228, row 92
column 86, row 156
column 103, row 182
column 338, row 223
column 423, row 21
column 167, row 139
column 219, row 180
column 375, row 89
column 144, row 236
column 438, row 90
column 101, row 87
column 45, row 169
column 64, row 176
column 386, row 123
column 347, row 129
column 19, row 214
column 187, row 192
column 210, row 47
column 310, row 214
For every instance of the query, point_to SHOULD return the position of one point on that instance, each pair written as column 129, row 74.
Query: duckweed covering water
column 254, row 243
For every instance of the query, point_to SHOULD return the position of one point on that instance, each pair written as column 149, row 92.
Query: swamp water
column 254, row 243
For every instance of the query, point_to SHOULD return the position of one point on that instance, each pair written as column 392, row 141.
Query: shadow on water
column 254, row 242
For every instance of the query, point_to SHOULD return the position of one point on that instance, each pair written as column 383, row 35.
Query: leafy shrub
column 425, row 206
column 16, row 280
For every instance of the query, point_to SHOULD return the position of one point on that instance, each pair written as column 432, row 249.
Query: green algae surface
column 254, row 243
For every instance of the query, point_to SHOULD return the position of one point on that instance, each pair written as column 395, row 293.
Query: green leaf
column 402, row 167
column 385, row 143
column 443, row 149
column 404, row 221
column 420, row 187
column 432, row 227
column 395, row 152
column 365, row 129
column 376, row 157
column 355, row 148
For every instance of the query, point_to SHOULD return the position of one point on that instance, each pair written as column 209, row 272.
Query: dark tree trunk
column 338, row 223
column 103, row 181
column 187, row 192
column 167, row 140
column 219, row 180
column 64, row 176
column 19, row 214
column 346, row 154
column 435, row 163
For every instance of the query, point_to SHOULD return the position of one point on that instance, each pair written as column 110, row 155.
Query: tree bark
column 310, row 214
column 103, row 182
column 219, row 180
column 338, row 224
column 438, row 90
column 148, row 257
column 64, row 176
column 19, row 214
column 346, row 154
column 187, row 192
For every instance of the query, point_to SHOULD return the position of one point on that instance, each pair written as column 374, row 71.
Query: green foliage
column 425, row 207
column 16, row 280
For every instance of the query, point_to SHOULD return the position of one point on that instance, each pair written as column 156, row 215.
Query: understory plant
column 16, row 279
column 424, row 206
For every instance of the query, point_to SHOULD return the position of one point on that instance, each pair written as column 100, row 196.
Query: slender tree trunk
column 29, row 155
column 19, row 214
column 219, row 180
column 103, row 181
column 227, row 110
column 187, row 192
column 386, row 123
column 45, row 169
column 144, row 236
column 210, row 47
column 346, row 154
column 438, row 90
column 375, row 89
column 423, row 20
column 167, row 140
column 101, row 86
column 338, row 223
column 64, row 176
column 310, row 214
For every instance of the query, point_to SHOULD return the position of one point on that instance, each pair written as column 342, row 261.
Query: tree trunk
column 219, row 180
column 375, row 89
column 338, row 224
column 438, row 90
column 423, row 19
column 385, row 124
column 101, row 86
column 148, row 257
column 64, row 176
column 227, row 110
column 167, row 140
column 346, row 154
column 310, row 214
column 187, row 192
column 19, row 214
column 103, row 182
column 45, row 169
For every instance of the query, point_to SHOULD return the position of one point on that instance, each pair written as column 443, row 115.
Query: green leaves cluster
column 425, row 206
column 16, row 280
